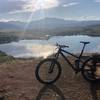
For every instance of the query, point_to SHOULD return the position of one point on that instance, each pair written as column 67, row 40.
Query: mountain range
column 51, row 26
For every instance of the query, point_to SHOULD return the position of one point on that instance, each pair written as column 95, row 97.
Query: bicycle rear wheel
column 43, row 73
column 90, row 70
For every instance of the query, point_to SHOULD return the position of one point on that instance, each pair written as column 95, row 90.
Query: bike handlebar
column 62, row 46
column 65, row 46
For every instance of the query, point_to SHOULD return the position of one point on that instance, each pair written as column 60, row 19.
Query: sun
column 35, row 5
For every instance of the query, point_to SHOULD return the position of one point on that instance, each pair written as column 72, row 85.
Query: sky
column 28, row 10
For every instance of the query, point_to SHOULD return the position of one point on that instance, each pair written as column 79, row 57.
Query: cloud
column 23, row 9
column 18, row 6
column 35, row 5
column 70, row 4
column 67, row 1
column 7, row 6
column 23, row 6
column 89, row 18
column 7, row 20
column 83, row 18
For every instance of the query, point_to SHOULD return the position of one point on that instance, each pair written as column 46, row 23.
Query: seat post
column 82, row 51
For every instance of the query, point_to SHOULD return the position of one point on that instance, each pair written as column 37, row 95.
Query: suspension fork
column 78, row 60
column 53, row 62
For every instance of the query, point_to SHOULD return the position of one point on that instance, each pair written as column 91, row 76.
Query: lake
column 44, row 48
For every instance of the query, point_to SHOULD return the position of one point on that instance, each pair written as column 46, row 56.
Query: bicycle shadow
column 94, row 87
column 52, row 87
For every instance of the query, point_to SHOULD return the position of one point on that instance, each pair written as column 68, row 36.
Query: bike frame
column 62, row 51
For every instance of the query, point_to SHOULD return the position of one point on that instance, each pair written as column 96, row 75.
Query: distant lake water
column 44, row 48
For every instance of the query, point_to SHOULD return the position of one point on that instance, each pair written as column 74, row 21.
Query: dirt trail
column 18, row 82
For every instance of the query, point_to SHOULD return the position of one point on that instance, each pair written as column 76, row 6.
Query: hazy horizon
column 50, row 18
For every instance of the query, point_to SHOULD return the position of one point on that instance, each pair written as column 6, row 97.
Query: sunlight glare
column 35, row 5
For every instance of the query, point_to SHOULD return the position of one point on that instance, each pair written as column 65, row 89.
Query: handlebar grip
column 64, row 46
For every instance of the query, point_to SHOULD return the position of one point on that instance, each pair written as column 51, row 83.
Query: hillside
column 18, row 82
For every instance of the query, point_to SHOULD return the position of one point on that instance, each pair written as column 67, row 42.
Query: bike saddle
column 84, row 42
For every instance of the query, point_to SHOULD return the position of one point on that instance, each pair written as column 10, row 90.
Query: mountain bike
column 49, row 70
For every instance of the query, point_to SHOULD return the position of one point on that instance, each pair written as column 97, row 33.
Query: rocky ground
column 18, row 82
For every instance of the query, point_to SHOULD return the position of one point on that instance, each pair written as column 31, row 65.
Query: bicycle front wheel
column 48, row 71
column 90, row 70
